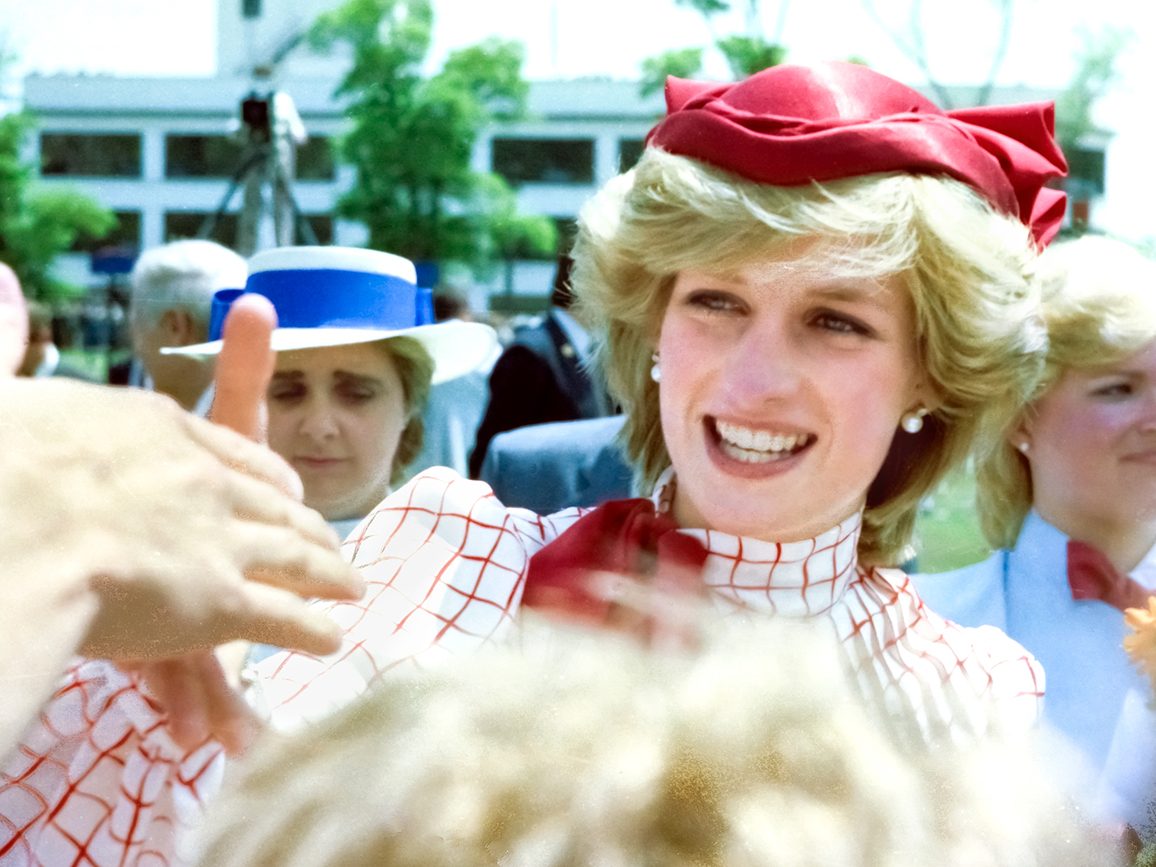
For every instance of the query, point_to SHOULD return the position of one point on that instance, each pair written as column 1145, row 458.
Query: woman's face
column 782, row 389
column 336, row 415
column 1092, row 447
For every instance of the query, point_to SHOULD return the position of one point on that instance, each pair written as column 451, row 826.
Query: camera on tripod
column 257, row 116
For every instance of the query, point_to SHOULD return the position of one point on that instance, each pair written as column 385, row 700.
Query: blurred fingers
column 243, row 455
column 258, row 501
column 280, row 557
column 275, row 616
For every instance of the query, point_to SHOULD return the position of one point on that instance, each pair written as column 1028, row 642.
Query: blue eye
column 714, row 302
column 840, row 323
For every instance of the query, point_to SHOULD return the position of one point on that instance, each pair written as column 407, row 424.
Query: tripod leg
column 209, row 225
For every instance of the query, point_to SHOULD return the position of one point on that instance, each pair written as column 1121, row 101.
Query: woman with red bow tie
column 815, row 295
column 1069, row 498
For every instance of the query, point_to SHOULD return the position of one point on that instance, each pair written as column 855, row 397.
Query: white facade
column 602, row 112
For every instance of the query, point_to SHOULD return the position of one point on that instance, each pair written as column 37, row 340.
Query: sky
column 568, row 38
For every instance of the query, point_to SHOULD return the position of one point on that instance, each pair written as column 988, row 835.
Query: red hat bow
column 791, row 125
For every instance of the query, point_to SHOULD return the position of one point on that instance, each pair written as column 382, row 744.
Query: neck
column 1123, row 542
column 184, row 384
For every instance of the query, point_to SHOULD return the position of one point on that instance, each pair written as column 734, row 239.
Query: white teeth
column 750, row 445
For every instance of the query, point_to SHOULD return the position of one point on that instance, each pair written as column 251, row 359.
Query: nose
column 764, row 365
column 319, row 421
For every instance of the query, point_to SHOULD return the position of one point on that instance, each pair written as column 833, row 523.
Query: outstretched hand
column 287, row 552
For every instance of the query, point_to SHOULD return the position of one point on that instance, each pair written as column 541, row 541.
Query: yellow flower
column 1141, row 644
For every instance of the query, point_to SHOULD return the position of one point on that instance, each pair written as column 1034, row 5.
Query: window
column 1086, row 169
column 315, row 160
column 218, row 156
column 188, row 224
column 101, row 156
column 202, row 156
column 544, row 161
column 125, row 235
column 629, row 150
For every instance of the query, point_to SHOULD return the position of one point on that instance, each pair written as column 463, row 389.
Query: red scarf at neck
column 573, row 575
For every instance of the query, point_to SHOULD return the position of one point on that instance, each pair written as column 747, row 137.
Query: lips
column 751, row 445
column 316, row 463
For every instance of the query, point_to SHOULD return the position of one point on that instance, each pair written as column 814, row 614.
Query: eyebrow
column 343, row 375
column 855, row 294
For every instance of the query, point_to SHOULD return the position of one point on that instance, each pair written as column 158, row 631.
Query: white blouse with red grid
column 97, row 781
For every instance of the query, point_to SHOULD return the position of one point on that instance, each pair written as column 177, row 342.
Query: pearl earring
column 655, row 370
column 1024, row 446
column 912, row 422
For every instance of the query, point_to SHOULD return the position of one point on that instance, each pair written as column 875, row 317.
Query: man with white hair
column 172, row 292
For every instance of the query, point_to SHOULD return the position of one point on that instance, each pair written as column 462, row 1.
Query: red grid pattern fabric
column 98, row 782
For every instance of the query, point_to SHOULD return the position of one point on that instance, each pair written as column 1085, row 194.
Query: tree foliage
column 412, row 137
column 36, row 226
column 745, row 53
column 1095, row 74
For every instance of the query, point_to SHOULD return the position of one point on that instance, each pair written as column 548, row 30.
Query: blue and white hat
column 335, row 296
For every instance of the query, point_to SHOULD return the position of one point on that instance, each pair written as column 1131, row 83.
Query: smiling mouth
column 754, row 446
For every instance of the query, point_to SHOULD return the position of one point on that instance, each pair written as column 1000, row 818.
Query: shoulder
column 972, row 595
column 988, row 681
column 582, row 436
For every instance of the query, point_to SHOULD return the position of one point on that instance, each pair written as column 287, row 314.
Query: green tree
column 1095, row 74
column 745, row 53
column 412, row 137
column 36, row 226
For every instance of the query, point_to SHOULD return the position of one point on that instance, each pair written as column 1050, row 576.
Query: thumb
column 245, row 366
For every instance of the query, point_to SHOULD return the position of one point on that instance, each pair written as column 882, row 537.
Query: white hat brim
column 456, row 347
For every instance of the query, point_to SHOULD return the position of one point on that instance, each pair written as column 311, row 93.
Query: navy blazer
column 539, row 378
column 548, row 467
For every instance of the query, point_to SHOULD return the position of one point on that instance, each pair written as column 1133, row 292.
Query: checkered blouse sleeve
column 445, row 566
column 98, row 781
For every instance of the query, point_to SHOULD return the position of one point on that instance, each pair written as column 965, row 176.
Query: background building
column 163, row 153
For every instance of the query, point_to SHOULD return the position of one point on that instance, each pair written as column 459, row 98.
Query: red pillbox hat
column 791, row 125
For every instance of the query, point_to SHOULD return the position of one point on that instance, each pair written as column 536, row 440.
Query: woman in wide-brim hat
column 356, row 355
column 815, row 294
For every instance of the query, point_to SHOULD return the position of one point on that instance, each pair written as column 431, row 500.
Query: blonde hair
column 415, row 368
column 968, row 270
column 1099, row 308
column 577, row 749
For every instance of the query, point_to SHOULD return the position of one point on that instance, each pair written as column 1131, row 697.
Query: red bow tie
column 1092, row 576
column 622, row 537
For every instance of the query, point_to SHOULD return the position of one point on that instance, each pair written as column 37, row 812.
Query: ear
column 177, row 326
column 925, row 396
column 1020, row 434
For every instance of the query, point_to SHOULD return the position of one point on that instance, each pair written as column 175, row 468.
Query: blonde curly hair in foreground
column 968, row 270
column 1099, row 308
column 587, row 749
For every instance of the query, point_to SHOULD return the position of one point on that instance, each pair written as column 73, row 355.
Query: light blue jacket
column 1094, row 696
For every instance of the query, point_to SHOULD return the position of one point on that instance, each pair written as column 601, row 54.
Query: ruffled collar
column 799, row 579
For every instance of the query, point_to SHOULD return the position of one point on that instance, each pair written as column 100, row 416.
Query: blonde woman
column 814, row 293
column 1069, row 499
